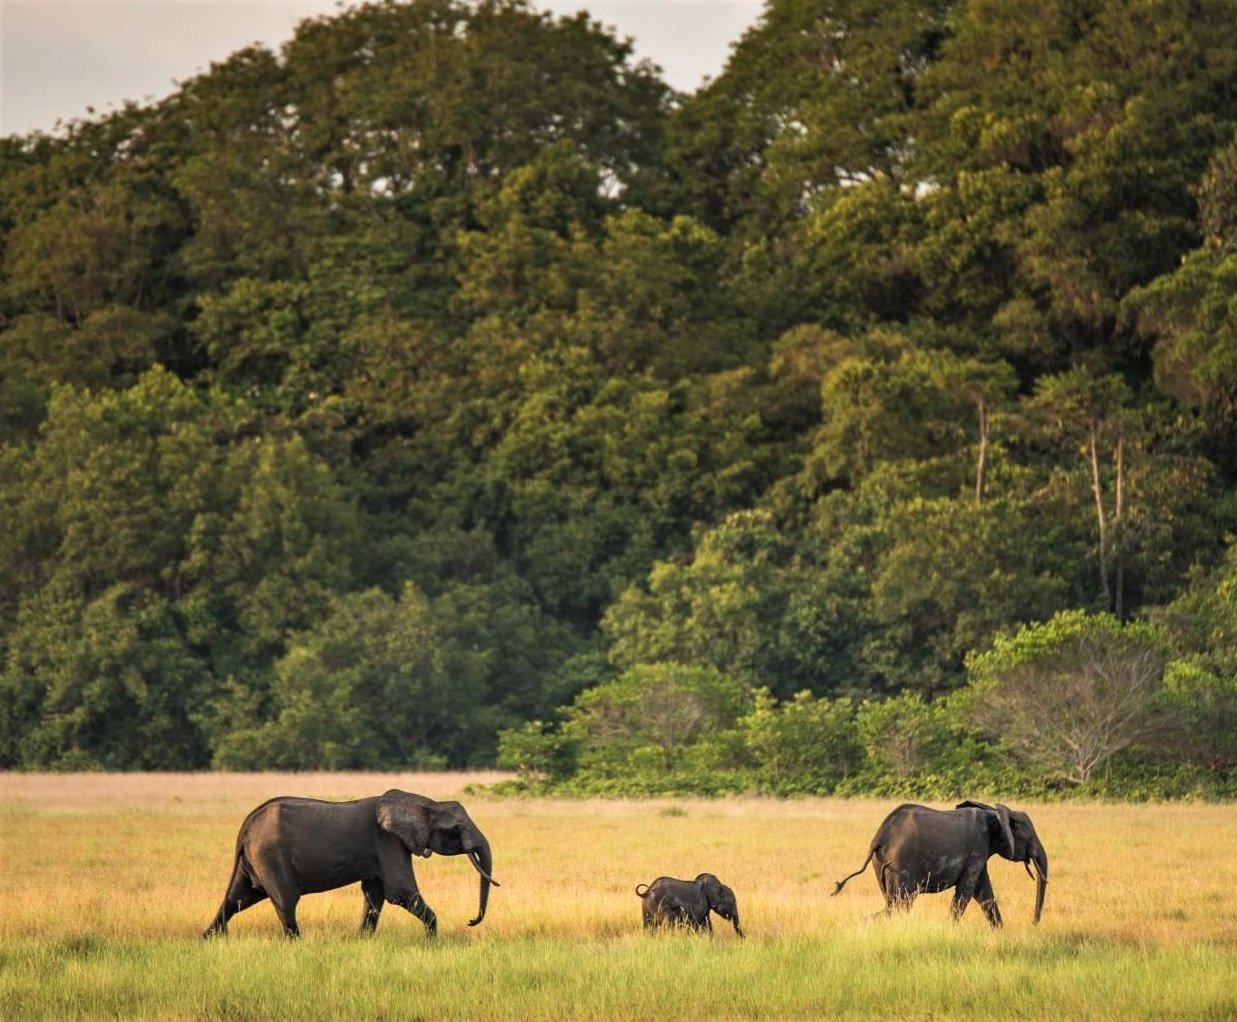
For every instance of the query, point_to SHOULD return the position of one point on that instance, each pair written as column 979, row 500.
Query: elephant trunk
column 1040, row 858
column 479, row 856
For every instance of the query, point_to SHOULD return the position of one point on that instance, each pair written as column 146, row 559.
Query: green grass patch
column 904, row 969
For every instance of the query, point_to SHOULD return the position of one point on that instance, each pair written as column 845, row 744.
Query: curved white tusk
column 474, row 857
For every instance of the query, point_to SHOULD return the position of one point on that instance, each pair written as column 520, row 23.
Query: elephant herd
column 288, row 847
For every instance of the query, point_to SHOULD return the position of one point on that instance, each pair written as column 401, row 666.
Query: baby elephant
column 670, row 902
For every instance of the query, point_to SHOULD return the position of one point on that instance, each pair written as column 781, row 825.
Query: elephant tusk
column 475, row 859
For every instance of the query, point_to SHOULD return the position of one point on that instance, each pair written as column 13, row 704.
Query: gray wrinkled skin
column 918, row 850
column 289, row 847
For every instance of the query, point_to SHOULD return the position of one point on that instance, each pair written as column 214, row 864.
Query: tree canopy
column 444, row 386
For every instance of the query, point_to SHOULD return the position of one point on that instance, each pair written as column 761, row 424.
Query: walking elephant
column 921, row 850
column 290, row 846
column 667, row 901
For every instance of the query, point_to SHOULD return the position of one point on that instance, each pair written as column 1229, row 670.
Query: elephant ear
column 407, row 817
column 1007, row 831
column 975, row 805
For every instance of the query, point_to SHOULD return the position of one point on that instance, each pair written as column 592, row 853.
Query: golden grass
column 107, row 881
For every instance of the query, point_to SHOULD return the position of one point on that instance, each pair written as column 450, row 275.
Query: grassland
column 106, row 882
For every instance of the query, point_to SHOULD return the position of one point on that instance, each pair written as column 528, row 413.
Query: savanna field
column 109, row 879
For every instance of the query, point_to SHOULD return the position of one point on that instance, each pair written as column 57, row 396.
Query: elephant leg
column 411, row 901
column 399, row 883
column 241, row 895
column 275, row 874
column 899, row 893
column 285, row 904
column 374, row 895
column 966, row 888
column 986, row 897
column 422, row 911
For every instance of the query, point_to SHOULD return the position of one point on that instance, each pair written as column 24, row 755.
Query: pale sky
column 59, row 58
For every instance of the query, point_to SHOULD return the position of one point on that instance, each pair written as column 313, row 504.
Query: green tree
column 1203, row 705
column 598, row 475
column 722, row 610
column 431, row 96
column 537, row 754
column 103, row 684
column 1090, row 410
column 903, row 736
column 100, row 244
column 805, row 744
column 371, row 686
column 267, row 561
column 815, row 95
column 98, row 670
column 124, row 473
column 658, row 298
column 951, row 578
column 893, row 400
column 248, row 193
column 1145, row 485
column 1201, row 681
column 651, row 717
column 1071, row 693
column 1191, row 314
column 1098, row 157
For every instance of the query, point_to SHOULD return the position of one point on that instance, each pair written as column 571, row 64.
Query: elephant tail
column 640, row 893
column 837, row 888
column 219, row 925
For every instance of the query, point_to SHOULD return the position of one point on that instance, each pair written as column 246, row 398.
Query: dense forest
column 445, row 390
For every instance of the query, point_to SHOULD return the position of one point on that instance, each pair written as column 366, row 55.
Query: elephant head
column 426, row 826
column 721, row 899
column 1029, row 851
column 1015, row 839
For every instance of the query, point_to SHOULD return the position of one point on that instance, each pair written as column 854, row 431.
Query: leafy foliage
column 1070, row 694
column 444, row 388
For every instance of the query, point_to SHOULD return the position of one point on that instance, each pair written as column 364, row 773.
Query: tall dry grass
column 108, row 880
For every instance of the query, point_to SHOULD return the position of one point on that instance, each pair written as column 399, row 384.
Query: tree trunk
column 981, row 467
column 1118, row 534
column 1099, row 513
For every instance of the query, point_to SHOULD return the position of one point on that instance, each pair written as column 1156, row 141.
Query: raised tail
column 640, row 893
column 837, row 888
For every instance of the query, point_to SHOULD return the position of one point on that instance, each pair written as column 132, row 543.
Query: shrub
column 806, row 745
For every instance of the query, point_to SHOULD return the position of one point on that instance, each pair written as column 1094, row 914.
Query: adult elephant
column 921, row 850
column 290, row 846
